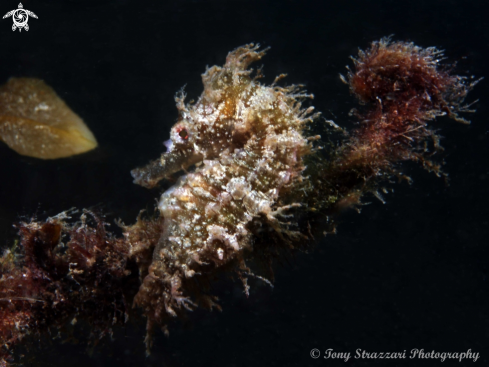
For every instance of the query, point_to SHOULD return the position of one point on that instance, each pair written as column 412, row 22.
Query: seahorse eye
column 183, row 134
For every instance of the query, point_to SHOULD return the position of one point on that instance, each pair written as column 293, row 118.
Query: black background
column 408, row 274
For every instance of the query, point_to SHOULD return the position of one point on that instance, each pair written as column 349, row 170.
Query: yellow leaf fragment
column 35, row 122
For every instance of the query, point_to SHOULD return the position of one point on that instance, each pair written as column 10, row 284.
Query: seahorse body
column 247, row 143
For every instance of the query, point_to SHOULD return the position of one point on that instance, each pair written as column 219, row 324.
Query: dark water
column 412, row 273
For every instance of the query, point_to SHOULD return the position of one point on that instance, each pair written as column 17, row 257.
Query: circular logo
column 315, row 353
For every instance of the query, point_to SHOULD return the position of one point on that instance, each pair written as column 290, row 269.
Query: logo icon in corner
column 20, row 17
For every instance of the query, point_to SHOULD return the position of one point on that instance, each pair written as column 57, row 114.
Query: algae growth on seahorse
column 248, row 144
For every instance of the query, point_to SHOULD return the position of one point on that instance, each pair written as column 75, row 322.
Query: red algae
column 256, row 186
column 402, row 88
column 47, row 283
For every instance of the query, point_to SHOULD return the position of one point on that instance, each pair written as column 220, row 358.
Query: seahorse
column 247, row 144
